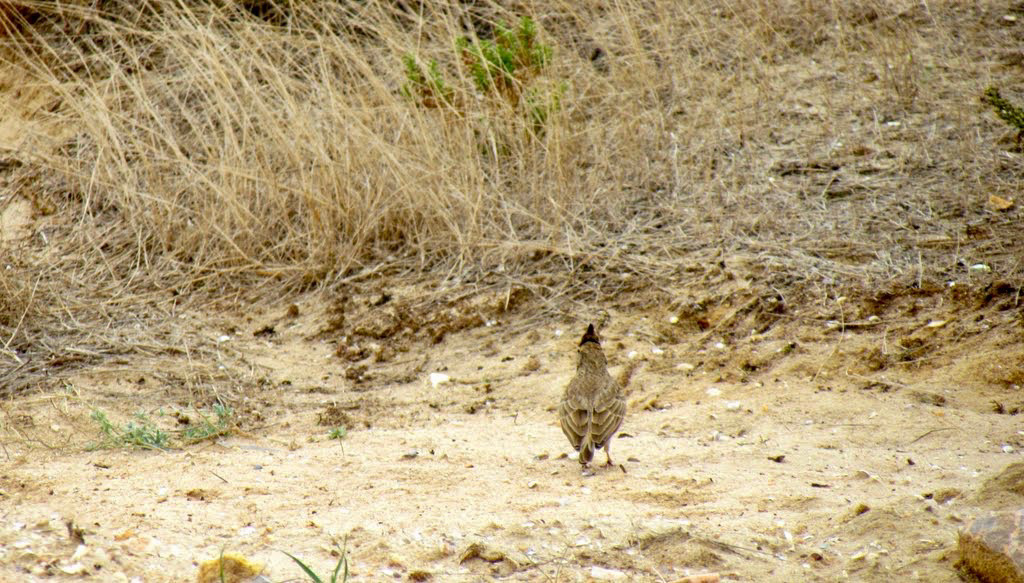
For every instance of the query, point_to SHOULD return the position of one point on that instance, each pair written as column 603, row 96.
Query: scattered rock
column 859, row 509
column 944, row 495
column 333, row 416
column 230, row 568
column 532, row 364
column 383, row 353
column 200, row 494
column 603, row 574
column 644, row 403
column 487, row 553
column 927, row 398
column 702, row 578
column 438, row 378
column 358, row 373
column 992, row 547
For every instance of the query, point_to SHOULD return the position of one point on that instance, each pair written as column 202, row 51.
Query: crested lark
column 592, row 408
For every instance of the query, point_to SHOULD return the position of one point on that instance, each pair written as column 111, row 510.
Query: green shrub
column 505, row 65
column 140, row 433
column 207, row 429
column 508, row 67
column 426, row 87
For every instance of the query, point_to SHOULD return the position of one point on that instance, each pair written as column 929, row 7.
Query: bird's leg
column 608, row 452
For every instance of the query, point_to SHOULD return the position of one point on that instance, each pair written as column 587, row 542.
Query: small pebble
column 603, row 574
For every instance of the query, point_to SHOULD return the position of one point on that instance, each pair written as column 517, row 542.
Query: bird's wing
column 574, row 423
column 609, row 411
column 574, row 412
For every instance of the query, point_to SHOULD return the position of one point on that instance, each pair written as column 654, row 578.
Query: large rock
column 992, row 547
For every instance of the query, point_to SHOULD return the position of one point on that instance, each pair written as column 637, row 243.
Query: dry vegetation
column 184, row 152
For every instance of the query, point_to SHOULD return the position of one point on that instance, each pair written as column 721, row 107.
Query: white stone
column 602, row 574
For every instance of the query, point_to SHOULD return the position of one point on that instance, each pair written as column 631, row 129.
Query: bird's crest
column 590, row 336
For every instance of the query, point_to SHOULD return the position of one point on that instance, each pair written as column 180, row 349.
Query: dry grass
column 238, row 150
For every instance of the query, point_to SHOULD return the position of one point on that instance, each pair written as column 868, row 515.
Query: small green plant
column 140, row 433
column 504, row 65
column 338, row 433
column 207, row 429
column 1008, row 112
column 340, row 568
column 426, row 87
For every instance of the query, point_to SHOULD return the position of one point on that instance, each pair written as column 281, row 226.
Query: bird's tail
column 587, row 445
column 586, row 450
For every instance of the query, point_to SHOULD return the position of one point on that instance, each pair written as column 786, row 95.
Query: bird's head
column 590, row 353
column 590, row 336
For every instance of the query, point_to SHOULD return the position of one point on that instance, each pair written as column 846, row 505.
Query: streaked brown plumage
column 592, row 408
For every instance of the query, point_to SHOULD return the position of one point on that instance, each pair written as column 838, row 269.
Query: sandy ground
column 813, row 451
